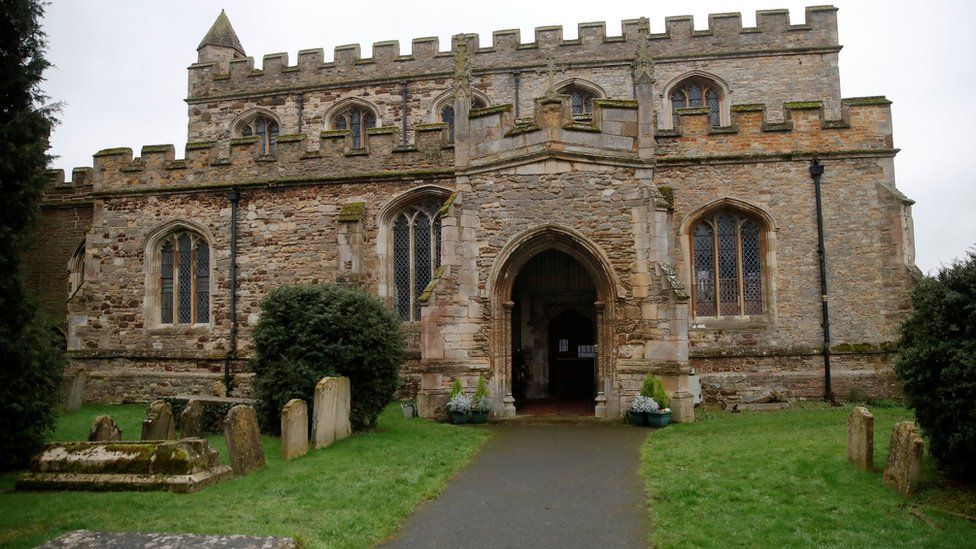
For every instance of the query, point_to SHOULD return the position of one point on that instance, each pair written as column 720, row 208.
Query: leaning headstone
column 103, row 429
column 158, row 424
column 343, row 409
column 191, row 420
column 904, row 458
column 243, row 440
column 73, row 390
column 860, row 438
column 331, row 411
column 324, row 412
column 294, row 429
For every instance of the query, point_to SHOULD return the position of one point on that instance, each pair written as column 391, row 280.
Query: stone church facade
column 560, row 216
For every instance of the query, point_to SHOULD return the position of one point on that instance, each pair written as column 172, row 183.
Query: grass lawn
column 781, row 479
column 352, row 494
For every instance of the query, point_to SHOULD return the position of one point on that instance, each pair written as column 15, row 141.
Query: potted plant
column 459, row 407
column 481, row 405
column 639, row 410
column 654, row 388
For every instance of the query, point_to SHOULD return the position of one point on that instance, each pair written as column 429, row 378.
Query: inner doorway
column 553, row 337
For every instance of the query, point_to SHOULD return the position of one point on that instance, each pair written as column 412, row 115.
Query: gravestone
column 103, row 429
column 331, row 411
column 158, row 424
column 904, row 458
column 243, row 440
column 191, row 420
column 860, row 438
column 294, row 429
column 218, row 389
column 73, row 390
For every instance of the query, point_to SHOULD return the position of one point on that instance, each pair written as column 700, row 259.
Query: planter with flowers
column 650, row 407
column 481, row 404
column 459, row 407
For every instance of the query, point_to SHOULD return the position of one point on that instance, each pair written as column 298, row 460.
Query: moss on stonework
column 352, row 212
column 114, row 152
column 238, row 141
column 334, row 134
column 667, row 193
column 437, row 126
column 692, row 110
column 856, row 348
column 156, row 149
column 291, row 137
column 870, row 100
column 446, row 207
column 478, row 113
column 519, row 130
column 429, row 289
column 380, row 131
column 581, row 127
column 748, row 107
column 803, row 105
column 198, row 145
column 616, row 103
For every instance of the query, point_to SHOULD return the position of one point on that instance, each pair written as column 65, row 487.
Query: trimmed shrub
column 937, row 365
column 308, row 332
column 654, row 388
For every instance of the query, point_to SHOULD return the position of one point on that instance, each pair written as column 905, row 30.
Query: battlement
column 725, row 35
column 495, row 135
column 241, row 162
column 865, row 125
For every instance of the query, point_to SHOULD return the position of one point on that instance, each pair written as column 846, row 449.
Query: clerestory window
column 447, row 115
column 184, row 279
column 696, row 93
column 264, row 128
column 581, row 101
column 357, row 120
column 416, row 238
column 727, row 265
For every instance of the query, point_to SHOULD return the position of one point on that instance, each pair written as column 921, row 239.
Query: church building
column 560, row 216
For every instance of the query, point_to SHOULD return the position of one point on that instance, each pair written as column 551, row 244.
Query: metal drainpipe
column 517, row 76
column 233, row 195
column 403, row 95
column 816, row 170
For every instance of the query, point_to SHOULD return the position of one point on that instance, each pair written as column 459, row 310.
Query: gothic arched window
column 727, row 265
column 357, row 120
column 416, row 238
column 581, row 100
column 184, row 278
column 447, row 114
column 76, row 269
column 695, row 93
column 264, row 128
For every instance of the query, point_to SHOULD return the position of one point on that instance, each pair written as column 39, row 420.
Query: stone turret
column 221, row 44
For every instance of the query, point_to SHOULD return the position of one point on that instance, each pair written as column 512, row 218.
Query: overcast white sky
column 120, row 69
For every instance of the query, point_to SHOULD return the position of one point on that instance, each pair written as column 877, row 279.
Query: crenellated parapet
column 495, row 136
column 61, row 190
column 240, row 162
column 864, row 128
column 725, row 35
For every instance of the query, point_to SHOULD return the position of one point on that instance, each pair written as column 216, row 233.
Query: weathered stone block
column 103, row 429
column 294, row 429
column 73, row 390
column 860, row 438
column 191, row 420
column 904, row 458
column 158, row 424
column 682, row 407
column 243, row 440
column 343, row 408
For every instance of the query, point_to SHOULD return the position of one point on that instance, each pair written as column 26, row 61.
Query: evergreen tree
column 30, row 364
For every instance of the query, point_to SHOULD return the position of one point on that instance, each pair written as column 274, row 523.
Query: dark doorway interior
column 571, row 352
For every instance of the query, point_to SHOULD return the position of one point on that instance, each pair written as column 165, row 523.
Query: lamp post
column 817, row 170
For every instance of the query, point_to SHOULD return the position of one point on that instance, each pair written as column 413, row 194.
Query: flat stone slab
column 85, row 539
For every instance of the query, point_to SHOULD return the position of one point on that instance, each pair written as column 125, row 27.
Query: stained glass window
column 696, row 93
column 184, row 279
column 357, row 120
column 416, row 255
column 727, row 266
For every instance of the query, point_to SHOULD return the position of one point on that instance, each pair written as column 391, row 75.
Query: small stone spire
column 220, row 43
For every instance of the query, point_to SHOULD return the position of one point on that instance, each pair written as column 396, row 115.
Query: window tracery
column 357, row 120
column 184, row 279
column 447, row 114
column 727, row 265
column 416, row 245
column 265, row 128
column 696, row 93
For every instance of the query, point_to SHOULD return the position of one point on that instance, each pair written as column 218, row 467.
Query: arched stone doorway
column 552, row 308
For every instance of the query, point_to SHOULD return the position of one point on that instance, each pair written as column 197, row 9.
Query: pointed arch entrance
column 552, row 295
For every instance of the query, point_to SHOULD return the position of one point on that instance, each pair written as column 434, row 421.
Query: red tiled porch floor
column 557, row 407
